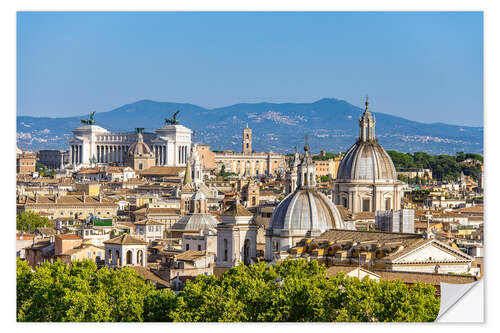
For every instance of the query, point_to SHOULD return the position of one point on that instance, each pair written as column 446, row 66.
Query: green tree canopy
column 290, row 291
column 444, row 167
column 28, row 221
column 81, row 292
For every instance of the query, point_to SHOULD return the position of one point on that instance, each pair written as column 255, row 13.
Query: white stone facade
column 170, row 143
column 236, row 241
column 117, row 255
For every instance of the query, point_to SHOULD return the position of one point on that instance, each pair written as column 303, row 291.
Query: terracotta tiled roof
column 68, row 236
column 147, row 274
column 162, row 171
column 148, row 222
column 237, row 210
column 191, row 255
column 126, row 240
column 364, row 215
column 364, row 236
column 70, row 200
column 334, row 270
column 431, row 278
column 477, row 209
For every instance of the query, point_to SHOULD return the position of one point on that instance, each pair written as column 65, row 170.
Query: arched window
column 225, row 249
column 139, row 258
column 387, row 203
column 118, row 259
column 246, row 252
column 110, row 257
column 129, row 257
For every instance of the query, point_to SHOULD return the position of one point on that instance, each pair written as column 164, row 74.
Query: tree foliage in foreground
column 294, row 290
column 28, row 221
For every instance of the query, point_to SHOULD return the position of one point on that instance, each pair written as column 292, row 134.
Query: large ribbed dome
column 306, row 210
column 366, row 161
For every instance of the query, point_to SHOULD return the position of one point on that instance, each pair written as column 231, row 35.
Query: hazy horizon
column 426, row 67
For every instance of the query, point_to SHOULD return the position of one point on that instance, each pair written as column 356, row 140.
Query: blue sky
column 422, row 66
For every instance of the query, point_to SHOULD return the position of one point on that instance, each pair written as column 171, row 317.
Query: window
column 388, row 204
column 73, row 257
column 276, row 246
column 199, row 247
column 89, row 255
column 225, row 249
column 187, row 247
column 366, row 205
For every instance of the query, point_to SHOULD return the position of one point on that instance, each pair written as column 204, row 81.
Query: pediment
column 433, row 251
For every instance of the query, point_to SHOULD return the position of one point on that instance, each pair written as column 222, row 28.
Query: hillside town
column 167, row 206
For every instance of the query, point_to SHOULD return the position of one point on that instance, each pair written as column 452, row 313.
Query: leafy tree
column 81, row 292
column 290, row 291
column 297, row 290
column 28, row 221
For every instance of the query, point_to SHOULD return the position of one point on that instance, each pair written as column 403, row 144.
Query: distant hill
column 331, row 124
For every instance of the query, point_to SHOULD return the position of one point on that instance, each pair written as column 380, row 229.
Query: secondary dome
column 306, row 211
column 139, row 148
column 196, row 223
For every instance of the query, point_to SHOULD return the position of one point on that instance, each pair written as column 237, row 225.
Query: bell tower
column 247, row 140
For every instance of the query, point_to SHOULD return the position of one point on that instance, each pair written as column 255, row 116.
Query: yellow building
column 89, row 188
column 325, row 168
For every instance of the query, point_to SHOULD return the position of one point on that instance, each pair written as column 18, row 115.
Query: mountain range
column 330, row 124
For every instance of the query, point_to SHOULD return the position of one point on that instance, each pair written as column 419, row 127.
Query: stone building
column 247, row 141
column 366, row 179
column 250, row 192
column 303, row 213
column 236, row 238
column 291, row 173
column 248, row 162
column 170, row 145
column 197, row 220
column 25, row 163
column 69, row 206
column 383, row 251
column 139, row 155
column 53, row 158
column 125, row 250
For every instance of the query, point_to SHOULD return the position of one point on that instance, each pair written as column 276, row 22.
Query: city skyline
column 429, row 69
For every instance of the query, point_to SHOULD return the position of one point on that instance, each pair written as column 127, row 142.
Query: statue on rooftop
column 89, row 121
column 174, row 120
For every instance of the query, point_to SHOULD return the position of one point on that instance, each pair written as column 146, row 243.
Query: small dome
column 307, row 211
column 196, row 222
column 140, row 148
column 366, row 161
